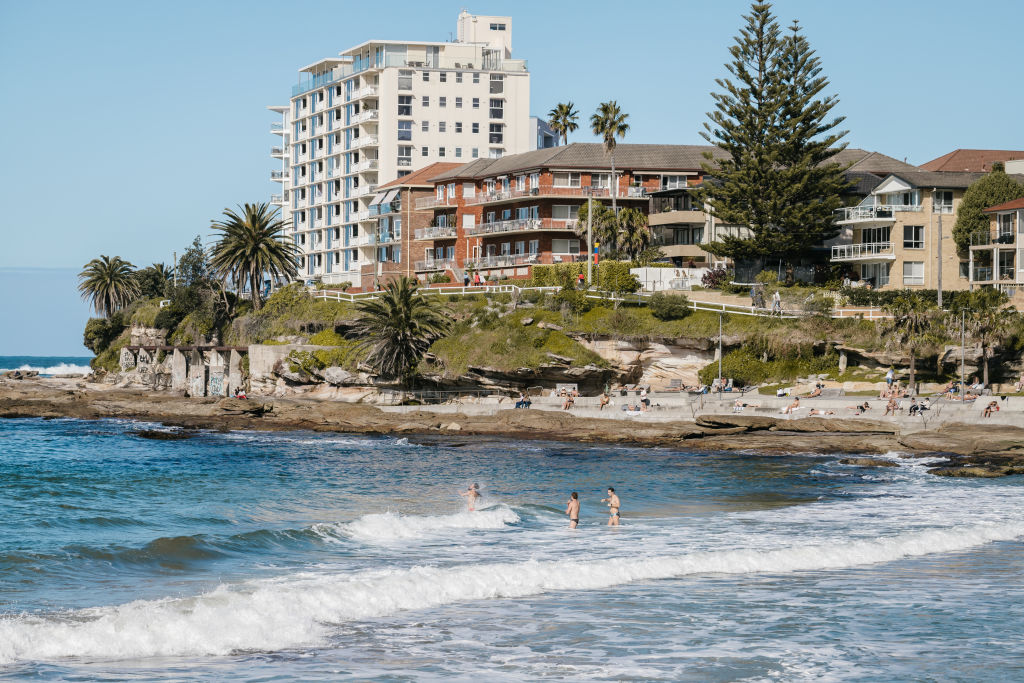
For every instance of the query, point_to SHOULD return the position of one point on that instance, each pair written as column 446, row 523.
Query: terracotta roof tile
column 974, row 160
column 423, row 177
column 1006, row 206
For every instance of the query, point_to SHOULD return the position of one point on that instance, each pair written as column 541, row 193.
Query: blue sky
column 130, row 125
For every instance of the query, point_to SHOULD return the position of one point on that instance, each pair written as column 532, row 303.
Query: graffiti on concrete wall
column 217, row 387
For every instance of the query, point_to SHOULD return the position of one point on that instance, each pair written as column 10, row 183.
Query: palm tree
column 563, row 120
column 602, row 225
column 633, row 236
column 252, row 244
column 109, row 283
column 909, row 327
column 987, row 320
column 608, row 123
column 399, row 326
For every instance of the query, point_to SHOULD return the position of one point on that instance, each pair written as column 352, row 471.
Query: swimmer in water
column 472, row 494
column 613, row 507
column 573, row 510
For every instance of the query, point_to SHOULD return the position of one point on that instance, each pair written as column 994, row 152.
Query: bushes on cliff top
column 110, row 358
column 610, row 276
column 746, row 369
column 669, row 306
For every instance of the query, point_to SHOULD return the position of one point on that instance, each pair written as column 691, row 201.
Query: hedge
column 611, row 276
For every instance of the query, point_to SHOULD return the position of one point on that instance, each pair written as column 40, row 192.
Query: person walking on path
column 573, row 510
column 889, row 377
column 776, row 304
column 613, row 507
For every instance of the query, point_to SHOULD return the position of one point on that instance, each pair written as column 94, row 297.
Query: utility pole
column 590, row 237
column 963, row 312
column 940, row 263
column 719, row 353
column 175, row 271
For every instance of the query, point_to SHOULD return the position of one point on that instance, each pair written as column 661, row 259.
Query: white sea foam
column 304, row 609
column 392, row 526
column 61, row 369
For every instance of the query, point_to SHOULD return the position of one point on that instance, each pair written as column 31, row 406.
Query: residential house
column 997, row 255
column 971, row 160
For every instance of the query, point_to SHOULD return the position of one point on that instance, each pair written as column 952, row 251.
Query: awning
column 390, row 196
column 379, row 198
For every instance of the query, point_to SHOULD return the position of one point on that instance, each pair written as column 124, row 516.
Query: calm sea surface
column 251, row 556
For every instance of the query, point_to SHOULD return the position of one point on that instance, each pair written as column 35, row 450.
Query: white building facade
column 379, row 111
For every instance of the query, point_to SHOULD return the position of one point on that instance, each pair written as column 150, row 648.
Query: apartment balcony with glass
column 434, row 264
column 436, row 232
column 519, row 225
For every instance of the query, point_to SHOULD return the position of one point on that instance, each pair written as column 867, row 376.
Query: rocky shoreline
column 963, row 453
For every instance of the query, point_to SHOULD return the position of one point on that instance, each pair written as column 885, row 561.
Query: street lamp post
column 719, row 353
column 590, row 237
column 963, row 313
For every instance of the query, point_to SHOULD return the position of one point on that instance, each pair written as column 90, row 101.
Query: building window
column 913, row 272
column 426, row 77
column 565, row 246
column 442, row 127
column 405, row 155
column 497, row 27
column 563, row 212
column 913, row 237
column 451, row 190
column 425, row 151
column 443, row 77
column 425, row 126
column 468, row 190
column 405, row 105
column 458, row 152
column 425, row 101
column 458, row 77
column 496, row 137
column 476, row 103
column 442, row 101
column 476, row 128
column 440, row 151
column 506, row 214
column 476, row 153
column 497, row 84
column 496, row 110
column 458, row 126
column 943, row 201
column 476, row 77
column 565, row 179
column 405, row 80
column 458, row 103
column 405, row 130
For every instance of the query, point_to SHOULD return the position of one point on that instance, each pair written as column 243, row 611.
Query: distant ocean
column 47, row 365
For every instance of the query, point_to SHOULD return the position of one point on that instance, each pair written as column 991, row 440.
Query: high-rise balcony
column 277, row 128
column 436, row 232
column 279, row 176
column 367, row 91
column 278, row 152
column 511, row 260
column 876, row 213
column 363, row 117
column 362, row 191
column 519, row 225
column 277, row 199
column 864, row 251
column 365, row 165
column 363, row 141
column 504, row 195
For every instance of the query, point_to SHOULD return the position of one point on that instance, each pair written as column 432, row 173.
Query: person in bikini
column 613, row 507
column 573, row 510
column 472, row 494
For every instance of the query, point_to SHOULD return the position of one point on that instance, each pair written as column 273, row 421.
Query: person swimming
column 472, row 494
column 573, row 510
column 613, row 507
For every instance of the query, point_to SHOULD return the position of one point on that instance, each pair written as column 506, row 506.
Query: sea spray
column 304, row 609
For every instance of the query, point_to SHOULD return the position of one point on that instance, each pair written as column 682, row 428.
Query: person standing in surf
column 613, row 507
column 472, row 494
column 573, row 510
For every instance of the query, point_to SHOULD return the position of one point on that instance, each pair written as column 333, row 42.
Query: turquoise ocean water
column 302, row 556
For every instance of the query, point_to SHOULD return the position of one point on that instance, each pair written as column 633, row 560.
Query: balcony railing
column 520, row 225
column 365, row 165
column 279, row 175
column 430, row 202
column 981, row 274
column 435, row 232
column 277, row 127
column 363, row 190
column 510, row 260
column 982, row 239
column 276, row 199
column 363, row 116
column 502, row 195
column 368, row 91
column 435, row 264
column 862, row 251
column 277, row 151
column 876, row 212
column 384, row 209
column 363, row 141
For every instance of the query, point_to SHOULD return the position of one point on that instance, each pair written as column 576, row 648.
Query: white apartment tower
column 381, row 110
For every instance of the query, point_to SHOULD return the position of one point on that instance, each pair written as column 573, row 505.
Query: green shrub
column 327, row 338
column 304, row 361
column 99, row 332
column 715, row 278
column 665, row 306
column 167, row 318
column 145, row 312
column 769, row 278
column 440, row 278
column 110, row 359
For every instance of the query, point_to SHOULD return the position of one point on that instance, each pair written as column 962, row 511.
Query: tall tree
column 252, row 244
column 154, row 281
column 563, row 119
column 776, row 176
column 399, row 326
column 988, row 320
column 608, row 123
column 909, row 329
column 634, row 236
column 995, row 188
column 602, row 227
column 108, row 283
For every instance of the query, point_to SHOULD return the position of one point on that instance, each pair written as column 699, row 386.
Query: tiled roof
column 974, row 160
column 949, row 180
column 423, row 177
column 863, row 182
column 1006, row 206
column 590, row 155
